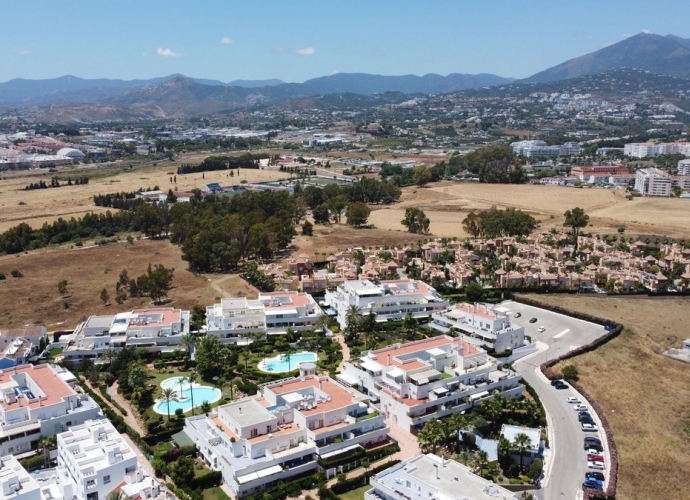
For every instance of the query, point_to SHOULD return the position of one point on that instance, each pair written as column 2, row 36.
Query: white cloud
column 24, row 52
column 307, row 51
column 646, row 30
column 168, row 53
column 227, row 40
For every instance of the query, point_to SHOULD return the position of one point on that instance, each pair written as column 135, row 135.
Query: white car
column 580, row 407
column 541, row 329
column 596, row 465
column 593, row 451
column 573, row 400
column 589, row 427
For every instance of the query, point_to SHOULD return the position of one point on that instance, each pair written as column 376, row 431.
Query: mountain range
column 71, row 98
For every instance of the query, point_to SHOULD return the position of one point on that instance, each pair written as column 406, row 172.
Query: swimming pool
column 281, row 363
column 183, row 396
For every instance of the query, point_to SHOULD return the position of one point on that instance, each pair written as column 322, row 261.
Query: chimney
column 389, row 359
column 240, row 409
column 436, row 467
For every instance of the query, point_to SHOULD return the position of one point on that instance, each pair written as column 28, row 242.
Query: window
column 254, row 433
column 106, row 479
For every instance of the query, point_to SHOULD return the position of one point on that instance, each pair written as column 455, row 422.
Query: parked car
column 541, row 329
column 585, row 418
column 587, row 421
column 517, row 315
column 580, row 407
column 593, row 451
column 556, row 381
column 533, row 320
column 595, row 475
column 587, row 427
column 593, row 484
column 592, row 440
column 595, row 458
column 596, row 465
column 560, row 385
column 573, row 400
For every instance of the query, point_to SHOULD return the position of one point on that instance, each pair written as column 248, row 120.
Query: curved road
column 565, row 462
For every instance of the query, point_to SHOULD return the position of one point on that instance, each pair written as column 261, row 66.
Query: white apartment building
column 641, row 150
column 531, row 149
column 94, row 460
column 258, row 441
column 39, row 401
column 15, row 482
column 429, row 378
column 684, row 167
column 490, row 325
column 157, row 329
column 390, row 300
column 272, row 313
column 653, row 182
column 570, row 149
column 430, row 477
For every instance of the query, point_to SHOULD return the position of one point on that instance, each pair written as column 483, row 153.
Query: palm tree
column 182, row 381
column 114, row 495
column 109, row 355
column 352, row 318
column 431, row 435
column 458, row 421
column 481, row 460
column 522, row 442
column 504, row 447
column 168, row 394
column 191, row 380
column 188, row 342
column 464, row 457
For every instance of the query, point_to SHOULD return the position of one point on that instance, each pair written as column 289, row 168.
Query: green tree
column 168, row 394
column 415, row 221
column 570, row 372
column 474, row 292
column 576, row 219
column 430, row 436
column 181, row 471
column 159, row 281
column 307, row 228
column 535, row 468
column 521, row 443
column 188, row 342
column 137, row 376
column 481, row 460
column 105, row 297
column 62, row 287
column 357, row 214
column 191, row 380
column 471, row 224
column 321, row 214
column 353, row 318
column 421, row 176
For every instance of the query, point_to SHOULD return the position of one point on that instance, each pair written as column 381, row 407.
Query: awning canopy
column 348, row 378
column 182, row 439
column 370, row 365
column 439, row 391
column 395, row 372
column 341, row 450
column 253, row 476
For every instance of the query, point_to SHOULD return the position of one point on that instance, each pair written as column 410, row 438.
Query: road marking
column 559, row 335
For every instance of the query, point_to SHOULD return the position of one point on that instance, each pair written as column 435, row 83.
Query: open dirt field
column 35, row 298
column 645, row 395
column 46, row 205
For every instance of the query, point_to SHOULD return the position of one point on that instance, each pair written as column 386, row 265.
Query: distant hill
column 253, row 84
column 363, row 83
column 666, row 55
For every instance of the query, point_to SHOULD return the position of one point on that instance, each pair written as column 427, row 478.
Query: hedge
column 293, row 488
column 546, row 368
column 104, row 392
column 359, row 481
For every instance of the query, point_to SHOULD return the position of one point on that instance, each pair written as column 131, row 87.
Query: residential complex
column 429, row 378
column 531, row 149
column 17, row 346
column 534, row 449
column 256, row 442
column 272, row 313
column 489, row 324
column 39, row 401
column 15, row 482
column 650, row 149
column 429, row 477
column 94, row 460
column 653, row 182
column 157, row 329
column 390, row 300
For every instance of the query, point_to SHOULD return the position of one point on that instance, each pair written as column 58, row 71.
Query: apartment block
column 429, row 378
column 39, row 401
column 390, row 300
column 653, row 182
column 683, row 167
column 95, row 460
column 15, row 482
column 272, row 313
column 534, row 148
column 258, row 441
column 428, row 477
column 489, row 325
column 157, row 329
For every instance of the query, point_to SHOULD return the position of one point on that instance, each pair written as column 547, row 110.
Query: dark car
column 585, row 418
column 556, row 381
column 560, row 385
column 592, row 483
column 592, row 442
column 599, row 476
column 533, row 320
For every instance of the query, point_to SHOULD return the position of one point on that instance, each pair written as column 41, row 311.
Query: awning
column 22, row 428
column 479, row 395
column 253, row 476
column 182, row 439
column 348, row 378
column 395, row 372
column 439, row 391
column 370, row 365
column 338, row 452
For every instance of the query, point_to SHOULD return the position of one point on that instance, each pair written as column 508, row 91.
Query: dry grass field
column 645, row 395
column 46, row 205
column 34, row 298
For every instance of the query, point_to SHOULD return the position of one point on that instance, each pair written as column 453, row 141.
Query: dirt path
column 129, row 418
column 345, row 349
column 132, row 419
column 215, row 284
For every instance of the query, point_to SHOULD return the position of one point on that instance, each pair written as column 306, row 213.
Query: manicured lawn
column 200, row 468
column 215, row 494
column 162, row 448
column 55, row 352
column 357, row 494
column 159, row 377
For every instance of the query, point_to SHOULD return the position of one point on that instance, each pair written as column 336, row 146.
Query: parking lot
column 566, row 461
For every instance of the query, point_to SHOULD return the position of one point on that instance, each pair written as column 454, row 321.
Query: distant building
column 653, row 182
column 15, row 482
column 531, row 149
column 641, row 150
column 684, row 167
column 430, row 477
column 585, row 172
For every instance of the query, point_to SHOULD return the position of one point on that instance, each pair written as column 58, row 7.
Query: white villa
column 429, row 378
column 158, row 329
column 390, row 300
column 39, row 401
column 490, row 325
column 273, row 313
column 261, row 440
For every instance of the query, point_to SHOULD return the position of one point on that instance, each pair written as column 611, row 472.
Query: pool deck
column 293, row 363
column 185, row 387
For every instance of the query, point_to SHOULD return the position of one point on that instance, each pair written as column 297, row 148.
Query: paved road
column 565, row 462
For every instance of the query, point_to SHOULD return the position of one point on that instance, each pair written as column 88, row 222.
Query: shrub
column 16, row 273
column 570, row 372
column 2, row 276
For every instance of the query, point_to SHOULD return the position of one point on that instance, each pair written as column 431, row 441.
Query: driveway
column 565, row 461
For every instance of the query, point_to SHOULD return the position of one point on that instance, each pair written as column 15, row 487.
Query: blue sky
column 296, row 40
